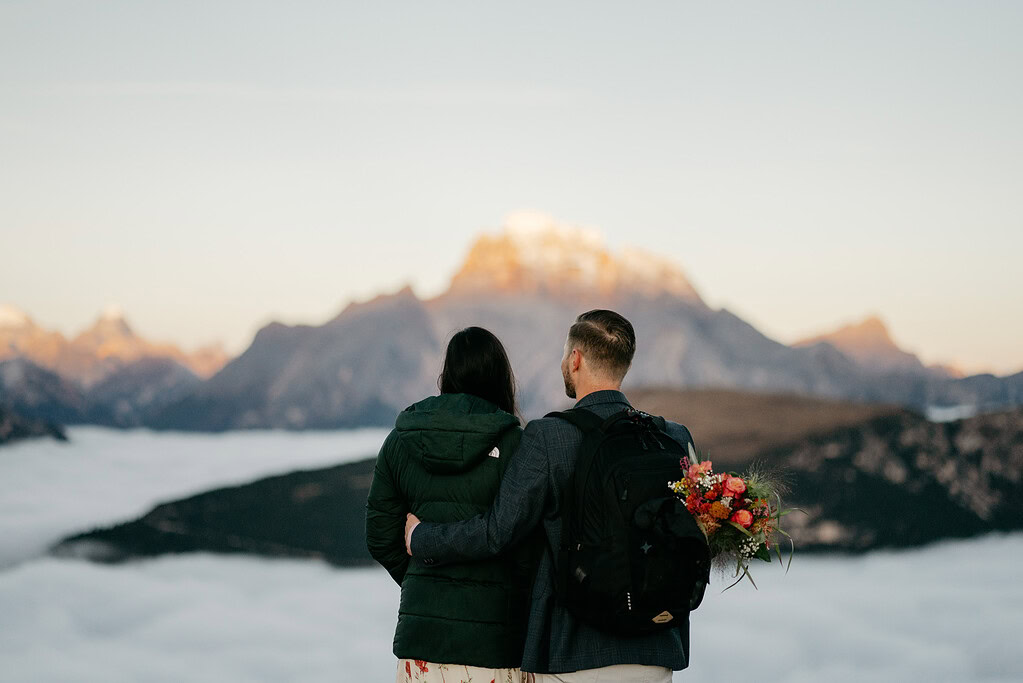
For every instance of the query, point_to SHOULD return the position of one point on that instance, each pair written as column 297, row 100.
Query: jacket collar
column 603, row 396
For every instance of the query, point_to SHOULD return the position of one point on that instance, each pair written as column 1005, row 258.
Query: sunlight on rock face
column 534, row 253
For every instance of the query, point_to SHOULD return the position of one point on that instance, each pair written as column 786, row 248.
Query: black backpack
column 633, row 560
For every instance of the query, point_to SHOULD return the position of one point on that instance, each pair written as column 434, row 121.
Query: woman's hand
column 410, row 523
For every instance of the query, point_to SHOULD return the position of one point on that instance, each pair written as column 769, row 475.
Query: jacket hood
column 452, row 432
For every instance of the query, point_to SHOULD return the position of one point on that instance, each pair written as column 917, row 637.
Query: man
column 598, row 353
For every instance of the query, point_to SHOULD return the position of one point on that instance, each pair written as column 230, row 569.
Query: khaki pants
column 623, row 673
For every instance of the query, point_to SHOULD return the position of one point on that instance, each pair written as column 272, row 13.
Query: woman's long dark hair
column 476, row 363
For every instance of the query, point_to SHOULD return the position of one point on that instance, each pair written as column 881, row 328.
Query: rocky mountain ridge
column 526, row 284
column 107, row 345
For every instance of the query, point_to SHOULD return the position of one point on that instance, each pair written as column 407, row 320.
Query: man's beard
column 569, row 384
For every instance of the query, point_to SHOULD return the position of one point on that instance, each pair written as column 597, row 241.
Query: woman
column 443, row 462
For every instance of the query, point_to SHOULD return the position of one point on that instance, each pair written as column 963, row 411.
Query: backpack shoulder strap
column 585, row 420
column 590, row 424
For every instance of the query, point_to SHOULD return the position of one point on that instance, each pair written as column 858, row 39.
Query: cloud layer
column 950, row 612
column 102, row 476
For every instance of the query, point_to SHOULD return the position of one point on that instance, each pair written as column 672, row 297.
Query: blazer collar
column 603, row 396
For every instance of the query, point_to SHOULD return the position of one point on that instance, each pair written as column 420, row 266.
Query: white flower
column 749, row 547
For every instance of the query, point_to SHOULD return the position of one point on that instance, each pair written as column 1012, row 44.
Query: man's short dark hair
column 606, row 339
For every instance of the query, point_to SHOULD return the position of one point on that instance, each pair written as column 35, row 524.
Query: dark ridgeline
column 311, row 514
column 884, row 479
column 14, row 427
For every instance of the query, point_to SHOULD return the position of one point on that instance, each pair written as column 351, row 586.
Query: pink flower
column 734, row 486
column 743, row 518
column 696, row 470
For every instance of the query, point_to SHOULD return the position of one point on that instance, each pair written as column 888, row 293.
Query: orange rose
column 734, row 486
column 743, row 517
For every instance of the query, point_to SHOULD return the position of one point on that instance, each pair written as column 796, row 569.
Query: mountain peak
column 534, row 253
column 529, row 229
column 869, row 343
column 871, row 330
column 109, row 325
column 112, row 312
column 13, row 317
column 403, row 297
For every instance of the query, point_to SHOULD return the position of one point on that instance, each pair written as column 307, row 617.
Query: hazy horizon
column 211, row 167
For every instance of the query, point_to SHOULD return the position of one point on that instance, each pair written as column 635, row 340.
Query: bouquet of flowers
column 740, row 515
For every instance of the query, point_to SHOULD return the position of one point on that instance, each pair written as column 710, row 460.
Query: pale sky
column 212, row 166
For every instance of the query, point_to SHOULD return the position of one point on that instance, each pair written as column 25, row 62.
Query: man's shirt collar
column 602, row 396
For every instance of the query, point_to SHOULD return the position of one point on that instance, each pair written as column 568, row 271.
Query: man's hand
column 410, row 523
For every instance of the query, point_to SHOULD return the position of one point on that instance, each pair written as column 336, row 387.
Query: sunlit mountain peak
column 12, row 317
column 112, row 311
column 535, row 253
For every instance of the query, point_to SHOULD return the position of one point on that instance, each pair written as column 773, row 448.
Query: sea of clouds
column 49, row 489
column 949, row 612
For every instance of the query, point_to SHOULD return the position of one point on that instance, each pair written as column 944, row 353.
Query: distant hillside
column 316, row 513
column 892, row 479
column 34, row 392
column 14, row 427
column 137, row 390
column 126, row 397
column 898, row 480
column 731, row 427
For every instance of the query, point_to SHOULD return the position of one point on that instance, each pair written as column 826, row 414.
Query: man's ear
column 575, row 359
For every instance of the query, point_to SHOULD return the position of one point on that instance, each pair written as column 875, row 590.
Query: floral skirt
column 419, row 671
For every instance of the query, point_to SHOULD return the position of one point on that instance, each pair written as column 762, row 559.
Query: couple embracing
column 466, row 512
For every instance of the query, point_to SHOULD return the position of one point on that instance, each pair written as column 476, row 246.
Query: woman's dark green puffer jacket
column 443, row 462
